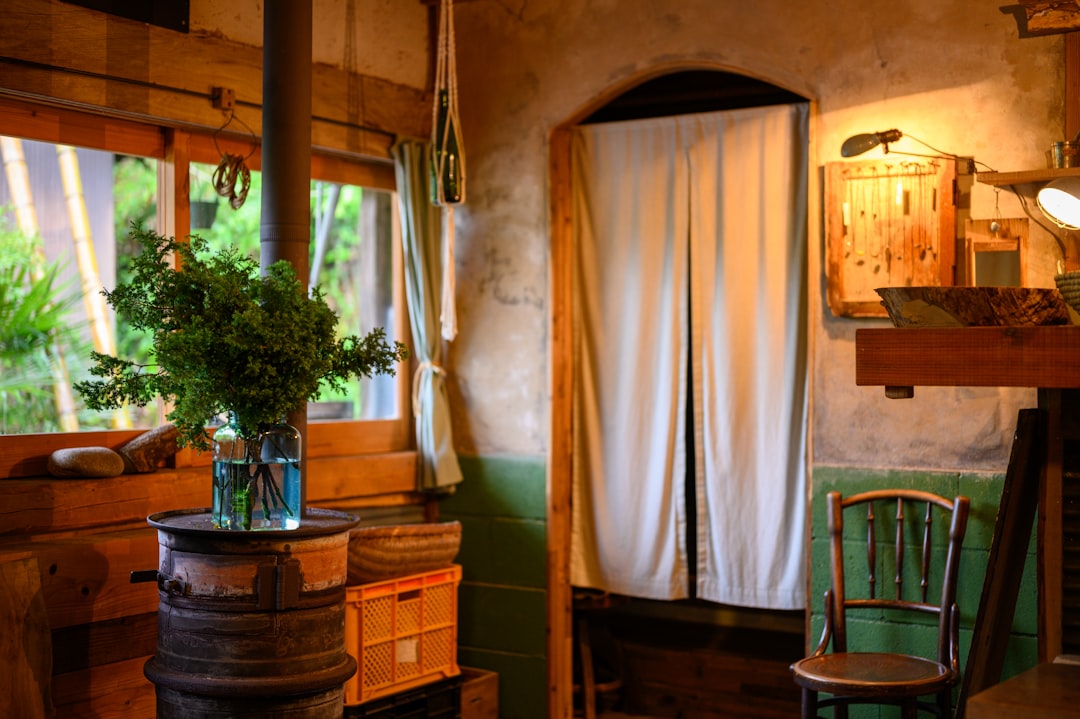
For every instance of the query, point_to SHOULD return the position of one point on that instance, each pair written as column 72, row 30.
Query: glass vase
column 256, row 479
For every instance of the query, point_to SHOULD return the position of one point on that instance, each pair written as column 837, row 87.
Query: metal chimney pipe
column 286, row 154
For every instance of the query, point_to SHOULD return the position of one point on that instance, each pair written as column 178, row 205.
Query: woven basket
column 377, row 553
column 1068, row 285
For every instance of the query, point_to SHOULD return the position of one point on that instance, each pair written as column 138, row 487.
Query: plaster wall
column 954, row 73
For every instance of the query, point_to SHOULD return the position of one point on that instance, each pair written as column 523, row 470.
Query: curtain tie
column 425, row 366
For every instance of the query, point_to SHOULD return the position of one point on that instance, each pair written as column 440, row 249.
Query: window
column 351, row 260
column 58, row 248
column 98, row 175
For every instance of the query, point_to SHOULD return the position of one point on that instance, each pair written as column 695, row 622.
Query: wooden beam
column 54, row 53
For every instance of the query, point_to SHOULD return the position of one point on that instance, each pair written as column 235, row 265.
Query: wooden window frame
column 341, row 443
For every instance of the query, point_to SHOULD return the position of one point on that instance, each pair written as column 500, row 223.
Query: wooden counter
column 969, row 357
column 1047, row 691
column 1046, row 358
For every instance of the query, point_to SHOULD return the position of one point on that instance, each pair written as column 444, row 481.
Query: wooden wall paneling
column 91, row 60
column 87, row 578
column 109, row 641
column 25, row 644
column 108, row 691
column 39, row 505
column 335, row 439
column 342, row 478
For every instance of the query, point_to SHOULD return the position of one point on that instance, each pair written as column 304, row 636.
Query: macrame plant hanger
column 447, row 158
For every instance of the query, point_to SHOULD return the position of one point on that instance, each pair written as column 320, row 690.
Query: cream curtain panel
column 691, row 258
column 420, row 238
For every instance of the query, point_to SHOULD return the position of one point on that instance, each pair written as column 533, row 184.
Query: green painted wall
column 502, row 602
column 984, row 492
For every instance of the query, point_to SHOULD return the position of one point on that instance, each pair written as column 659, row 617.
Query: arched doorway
column 680, row 92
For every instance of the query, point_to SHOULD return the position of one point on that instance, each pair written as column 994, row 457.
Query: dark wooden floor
column 681, row 670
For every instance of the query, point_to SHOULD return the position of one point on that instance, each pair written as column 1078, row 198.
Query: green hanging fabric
column 447, row 158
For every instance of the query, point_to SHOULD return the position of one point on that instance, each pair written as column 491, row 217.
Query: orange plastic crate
column 402, row 633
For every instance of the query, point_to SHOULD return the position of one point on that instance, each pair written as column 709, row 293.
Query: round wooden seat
column 870, row 674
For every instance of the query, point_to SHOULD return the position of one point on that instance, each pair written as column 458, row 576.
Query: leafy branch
column 227, row 339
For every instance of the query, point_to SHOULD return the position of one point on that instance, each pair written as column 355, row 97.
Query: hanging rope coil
column 233, row 169
column 447, row 159
column 230, row 170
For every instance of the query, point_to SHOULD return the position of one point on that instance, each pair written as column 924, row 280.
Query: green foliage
column 33, row 327
column 135, row 201
column 226, row 339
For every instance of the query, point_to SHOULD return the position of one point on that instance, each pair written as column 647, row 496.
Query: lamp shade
column 1060, row 202
column 858, row 144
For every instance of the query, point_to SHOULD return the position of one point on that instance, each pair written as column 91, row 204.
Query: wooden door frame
column 560, row 646
column 560, row 657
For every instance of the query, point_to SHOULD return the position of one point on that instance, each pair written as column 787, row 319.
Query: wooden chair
column 876, row 674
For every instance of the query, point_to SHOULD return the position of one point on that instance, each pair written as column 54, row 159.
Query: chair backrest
column 902, row 553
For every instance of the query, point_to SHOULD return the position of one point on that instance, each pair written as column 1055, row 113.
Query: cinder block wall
column 502, row 602
column 502, row 599
column 984, row 491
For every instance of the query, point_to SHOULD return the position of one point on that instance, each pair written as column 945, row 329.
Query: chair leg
column 809, row 704
column 910, row 708
column 944, row 702
column 588, row 678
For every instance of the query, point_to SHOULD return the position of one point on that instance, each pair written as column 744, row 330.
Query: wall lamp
column 858, row 144
column 1060, row 202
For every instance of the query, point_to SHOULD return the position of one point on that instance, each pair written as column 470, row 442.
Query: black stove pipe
column 286, row 152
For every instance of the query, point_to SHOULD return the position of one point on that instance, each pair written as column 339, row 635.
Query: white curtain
column 691, row 257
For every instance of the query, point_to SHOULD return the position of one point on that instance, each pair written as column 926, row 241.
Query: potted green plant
column 229, row 340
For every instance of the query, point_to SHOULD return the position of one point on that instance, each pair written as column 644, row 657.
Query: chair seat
column 869, row 674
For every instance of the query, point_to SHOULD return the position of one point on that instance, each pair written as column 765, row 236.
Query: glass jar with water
column 256, row 479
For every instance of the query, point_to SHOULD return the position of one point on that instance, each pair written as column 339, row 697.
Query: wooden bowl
column 974, row 306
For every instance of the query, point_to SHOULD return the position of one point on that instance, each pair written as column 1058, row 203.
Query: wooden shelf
column 969, row 357
column 1021, row 177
